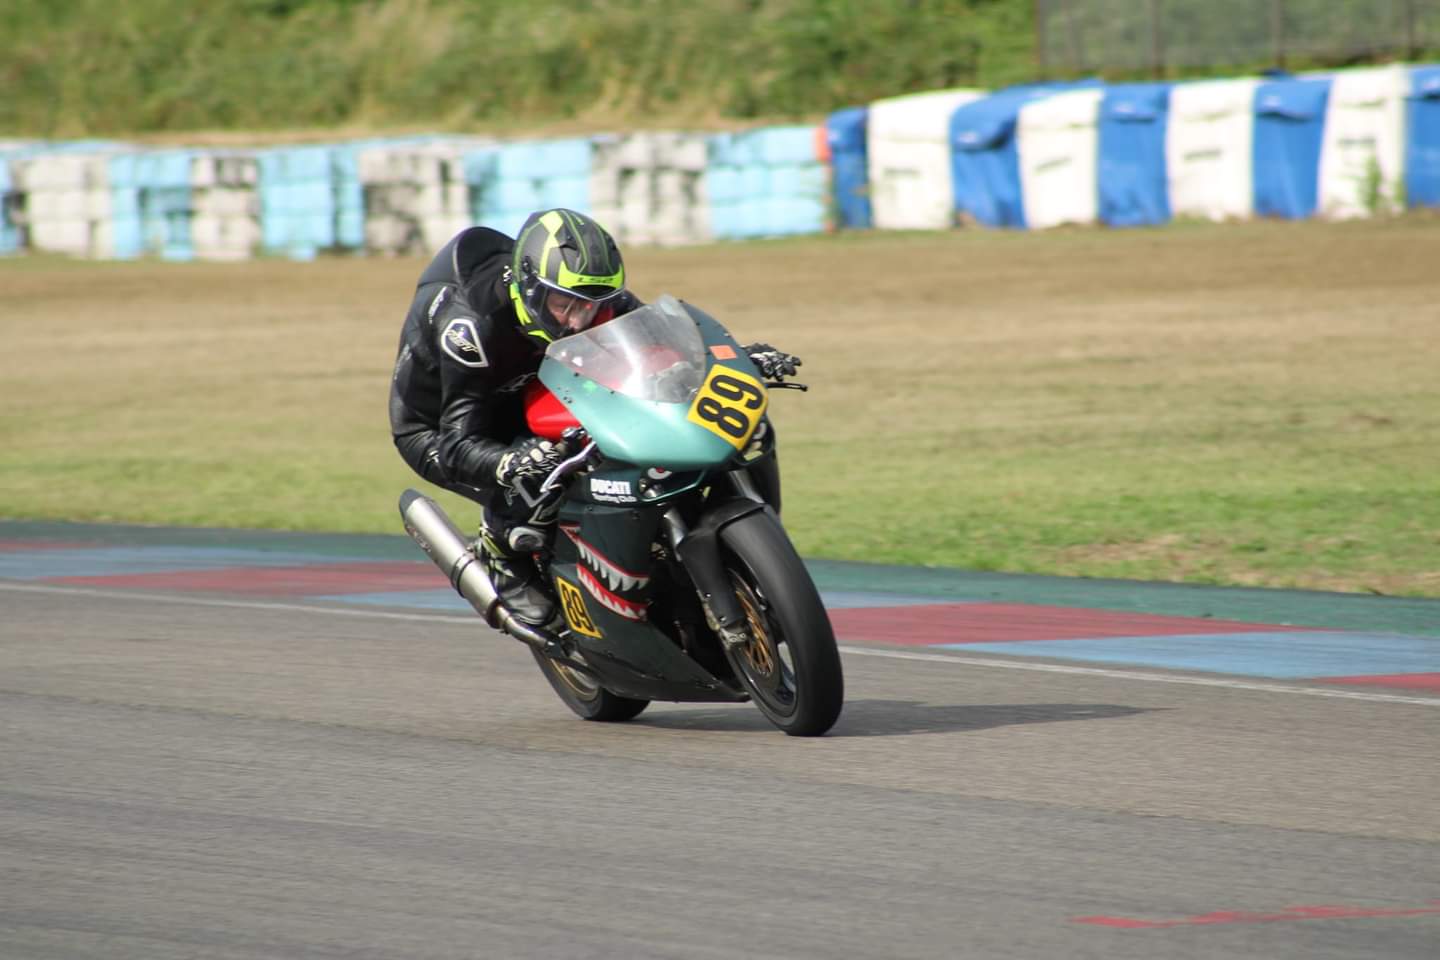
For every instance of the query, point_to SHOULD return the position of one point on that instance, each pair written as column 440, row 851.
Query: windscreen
column 653, row 353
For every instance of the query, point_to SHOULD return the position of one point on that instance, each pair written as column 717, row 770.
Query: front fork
column 698, row 548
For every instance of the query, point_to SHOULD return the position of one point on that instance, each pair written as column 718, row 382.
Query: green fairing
column 643, row 432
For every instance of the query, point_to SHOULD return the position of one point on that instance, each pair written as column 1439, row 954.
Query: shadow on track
column 888, row 718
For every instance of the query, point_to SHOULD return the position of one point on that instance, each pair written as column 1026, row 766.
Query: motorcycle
column 673, row 575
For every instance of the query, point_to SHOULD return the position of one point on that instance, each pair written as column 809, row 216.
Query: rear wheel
column 586, row 697
column 790, row 665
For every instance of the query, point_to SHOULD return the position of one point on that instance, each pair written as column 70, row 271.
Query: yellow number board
column 573, row 603
column 730, row 404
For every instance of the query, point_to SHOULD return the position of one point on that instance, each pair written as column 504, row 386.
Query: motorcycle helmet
column 565, row 274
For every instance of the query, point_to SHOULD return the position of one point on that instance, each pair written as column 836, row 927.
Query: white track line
column 996, row 664
column 1148, row 677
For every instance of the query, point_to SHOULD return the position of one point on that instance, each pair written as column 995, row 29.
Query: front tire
column 790, row 666
column 588, row 699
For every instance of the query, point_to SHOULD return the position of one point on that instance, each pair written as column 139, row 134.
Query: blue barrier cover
column 123, row 171
column 805, row 182
column 755, row 182
column 150, row 204
column 544, row 159
column 498, row 199
column 788, row 216
column 765, row 182
column 845, row 132
column 151, row 170
column 350, row 229
column 1422, row 148
column 732, row 149
column 1134, row 189
column 507, row 222
column 516, row 193
column 127, row 235
column 349, row 195
column 727, row 220
column 779, row 146
column 1289, row 130
column 571, row 191
column 300, row 212
column 984, row 160
column 724, row 184
column 165, row 219
column 166, row 168
column 9, row 231
column 481, row 166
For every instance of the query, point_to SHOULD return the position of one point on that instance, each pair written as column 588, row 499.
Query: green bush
column 99, row 68
column 92, row 67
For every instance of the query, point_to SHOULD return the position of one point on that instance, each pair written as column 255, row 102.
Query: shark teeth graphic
column 608, row 600
column 614, row 578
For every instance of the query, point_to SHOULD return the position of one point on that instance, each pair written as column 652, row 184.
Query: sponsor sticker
column 723, row 351
column 572, row 601
column 462, row 343
column 611, row 491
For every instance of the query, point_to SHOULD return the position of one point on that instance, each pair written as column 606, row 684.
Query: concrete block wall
column 768, row 182
column 1034, row 157
column 650, row 188
column 416, row 196
column 63, row 202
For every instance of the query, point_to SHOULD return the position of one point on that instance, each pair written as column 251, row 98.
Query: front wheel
column 790, row 665
column 586, row 697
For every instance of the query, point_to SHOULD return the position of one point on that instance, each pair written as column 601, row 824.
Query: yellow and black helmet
column 565, row 274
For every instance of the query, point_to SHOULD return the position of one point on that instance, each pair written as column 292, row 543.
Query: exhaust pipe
column 429, row 527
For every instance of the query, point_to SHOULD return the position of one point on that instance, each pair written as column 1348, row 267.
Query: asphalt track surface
column 209, row 773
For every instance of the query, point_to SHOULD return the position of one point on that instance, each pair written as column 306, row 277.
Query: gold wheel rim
column 575, row 680
column 759, row 650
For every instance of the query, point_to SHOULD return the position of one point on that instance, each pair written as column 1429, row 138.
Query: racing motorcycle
column 673, row 575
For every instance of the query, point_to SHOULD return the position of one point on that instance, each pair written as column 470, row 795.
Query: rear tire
column 588, row 699
column 790, row 667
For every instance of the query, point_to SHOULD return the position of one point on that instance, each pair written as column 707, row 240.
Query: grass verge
column 1245, row 404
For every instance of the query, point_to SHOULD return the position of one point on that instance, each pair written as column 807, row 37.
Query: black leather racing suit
column 455, row 398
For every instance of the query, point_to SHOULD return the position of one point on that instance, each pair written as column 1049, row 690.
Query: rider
column 483, row 313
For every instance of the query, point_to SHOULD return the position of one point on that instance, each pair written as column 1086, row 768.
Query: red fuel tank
column 544, row 413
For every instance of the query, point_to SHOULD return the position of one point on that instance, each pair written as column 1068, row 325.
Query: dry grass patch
column 1243, row 404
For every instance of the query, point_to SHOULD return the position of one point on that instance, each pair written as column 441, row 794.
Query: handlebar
column 579, row 460
column 567, row 467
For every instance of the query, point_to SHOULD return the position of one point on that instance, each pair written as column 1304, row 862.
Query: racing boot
column 515, row 577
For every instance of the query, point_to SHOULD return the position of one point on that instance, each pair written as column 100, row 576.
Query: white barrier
column 67, row 203
column 409, row 196
column 1209, row 149
column 225, row 212
column 1059, row 147
column 1362, row 155
column 908, row 145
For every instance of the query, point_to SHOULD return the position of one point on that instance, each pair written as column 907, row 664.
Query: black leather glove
column 531, row 459
column 773, row 363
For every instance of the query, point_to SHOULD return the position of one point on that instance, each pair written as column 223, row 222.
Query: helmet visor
column 570, row 311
